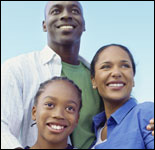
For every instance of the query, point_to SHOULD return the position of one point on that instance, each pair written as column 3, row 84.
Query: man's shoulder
column 84, row 62
column 22, row 58
column 21, row 62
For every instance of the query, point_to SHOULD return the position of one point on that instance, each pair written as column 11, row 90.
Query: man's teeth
column 66, row 27
column 116, row 85
column 55, row 127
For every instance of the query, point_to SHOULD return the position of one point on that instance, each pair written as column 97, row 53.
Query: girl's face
column 57, row 112
column 114, row 77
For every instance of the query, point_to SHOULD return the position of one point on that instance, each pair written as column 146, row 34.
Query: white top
column 99, row 139
column 20, row 80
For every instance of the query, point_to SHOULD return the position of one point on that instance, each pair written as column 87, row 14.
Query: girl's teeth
column 57, row 127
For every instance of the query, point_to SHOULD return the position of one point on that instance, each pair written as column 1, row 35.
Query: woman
column 122, row 125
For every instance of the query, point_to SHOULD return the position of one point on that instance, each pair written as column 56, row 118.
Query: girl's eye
column 70, row 109
column 50, row 105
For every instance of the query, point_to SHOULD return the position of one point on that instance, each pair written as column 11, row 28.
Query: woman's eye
column 106, row 67
column 125, row 66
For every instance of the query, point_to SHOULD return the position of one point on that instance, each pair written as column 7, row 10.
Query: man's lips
column 66, row 26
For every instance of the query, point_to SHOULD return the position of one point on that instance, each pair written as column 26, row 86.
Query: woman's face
column 114, row 77
column 57, row 112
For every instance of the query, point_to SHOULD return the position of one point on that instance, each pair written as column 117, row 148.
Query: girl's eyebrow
column 71, row 101
column 55, row 99
column 51, row 97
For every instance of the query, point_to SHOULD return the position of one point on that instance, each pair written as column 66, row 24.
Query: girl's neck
column 48, row 145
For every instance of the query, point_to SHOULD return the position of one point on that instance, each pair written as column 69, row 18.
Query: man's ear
column 84, row 28
column 34, row 110
column 44, row 26
column 133, row 84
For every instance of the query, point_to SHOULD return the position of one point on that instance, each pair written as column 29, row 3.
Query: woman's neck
column 111, row 107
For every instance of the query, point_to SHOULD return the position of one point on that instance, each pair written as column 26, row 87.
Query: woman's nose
column 116, row 73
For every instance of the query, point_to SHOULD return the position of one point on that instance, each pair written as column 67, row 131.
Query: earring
column 94, row 87
column 33, row 124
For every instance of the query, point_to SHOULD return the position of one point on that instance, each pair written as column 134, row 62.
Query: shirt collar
column 99, row 119
column 47, row 54
column 118, row 116
column 121, row 113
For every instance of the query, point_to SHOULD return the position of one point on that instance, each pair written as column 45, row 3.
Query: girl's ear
column 77, row 120
column 34, row 110
column 44, row 26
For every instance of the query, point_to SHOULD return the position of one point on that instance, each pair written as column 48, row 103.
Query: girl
column 56, row 112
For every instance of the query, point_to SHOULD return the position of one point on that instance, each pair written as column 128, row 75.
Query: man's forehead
column 51, row 4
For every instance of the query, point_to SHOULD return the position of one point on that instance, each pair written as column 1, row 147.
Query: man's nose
column 66, row 15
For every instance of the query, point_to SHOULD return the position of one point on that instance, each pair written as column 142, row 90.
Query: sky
column 130, row 23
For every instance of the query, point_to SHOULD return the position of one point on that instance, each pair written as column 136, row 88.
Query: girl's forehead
column 58, row 85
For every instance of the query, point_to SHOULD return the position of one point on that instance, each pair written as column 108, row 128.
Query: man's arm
column 11, row 108
column 151, row 126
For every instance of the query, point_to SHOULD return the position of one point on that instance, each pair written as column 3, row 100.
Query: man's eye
column 55, row 11
column 75, row 11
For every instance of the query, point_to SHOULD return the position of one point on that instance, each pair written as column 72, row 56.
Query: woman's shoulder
column 146, row 106
column 145, row 110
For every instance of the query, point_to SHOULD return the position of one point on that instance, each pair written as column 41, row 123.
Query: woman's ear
column 34, row 110
column 44, row 26
column 93, row 83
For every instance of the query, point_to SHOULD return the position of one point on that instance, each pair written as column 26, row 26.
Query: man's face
column 64, row 21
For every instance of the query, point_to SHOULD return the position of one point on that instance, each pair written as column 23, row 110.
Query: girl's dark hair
column 45, row 84
column 95, row 59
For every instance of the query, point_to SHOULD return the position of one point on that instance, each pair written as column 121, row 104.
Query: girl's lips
column 57, row 129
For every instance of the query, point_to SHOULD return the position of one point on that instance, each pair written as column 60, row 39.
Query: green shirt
column 83, row 135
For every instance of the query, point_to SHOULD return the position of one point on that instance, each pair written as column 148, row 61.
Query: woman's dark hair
column 95, row 59
column 45, row 84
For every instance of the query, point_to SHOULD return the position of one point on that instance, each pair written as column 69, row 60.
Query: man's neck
column 68, row 53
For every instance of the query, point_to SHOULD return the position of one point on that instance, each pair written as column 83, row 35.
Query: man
column 21, row 77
